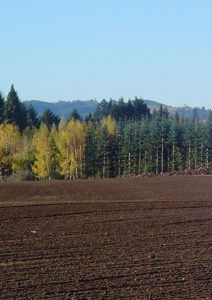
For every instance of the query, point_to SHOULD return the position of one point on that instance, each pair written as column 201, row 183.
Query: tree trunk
column 47, row 166
column 201, row 164
column 145, row 164
column 129, row 163
column 156, row 171
column 195, row 154
column 139, row 162
column 173, row 157
column 108, row 169
column 103, row 171
column 207, row 161
column 189, row 155
column 162, row 154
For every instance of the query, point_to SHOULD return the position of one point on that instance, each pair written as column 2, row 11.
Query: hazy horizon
column 125, row 100
column 65, row 50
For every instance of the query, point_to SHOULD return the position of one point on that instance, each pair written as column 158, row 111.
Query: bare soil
column 137, row 238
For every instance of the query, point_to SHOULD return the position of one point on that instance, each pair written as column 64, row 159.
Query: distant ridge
column 84, row 107
column 64, row 108
column 183, row 111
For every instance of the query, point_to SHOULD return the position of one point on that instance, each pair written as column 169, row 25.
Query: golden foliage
column 71, row 143
column 9, row 142
column 109, row 124
column 42, row 141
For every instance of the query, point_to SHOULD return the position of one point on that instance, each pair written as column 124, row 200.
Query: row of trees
column 119, row 110
column 13, row 111
column 105, row 146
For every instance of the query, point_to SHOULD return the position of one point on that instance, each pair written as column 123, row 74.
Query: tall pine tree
column 14, row 110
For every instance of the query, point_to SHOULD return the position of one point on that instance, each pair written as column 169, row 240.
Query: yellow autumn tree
column 9, row 143
column 42, row 142
column 108, row 146
column 24, row 156
column 71, row 144
column 109, row 124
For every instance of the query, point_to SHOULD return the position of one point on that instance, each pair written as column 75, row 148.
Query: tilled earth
column 138, row 238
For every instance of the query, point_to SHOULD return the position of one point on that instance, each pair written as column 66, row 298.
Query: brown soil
column 138, row 238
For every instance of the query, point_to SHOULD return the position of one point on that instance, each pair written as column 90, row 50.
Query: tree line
column 119, row 139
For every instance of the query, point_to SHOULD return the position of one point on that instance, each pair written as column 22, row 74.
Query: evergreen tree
column 31, row 117
column 14, row 110
column 140, row 108
column 49, row 118
column 209, row 143
column 75, row 116
column 102, row 110
column 1, row 108
column 91, row 151
column 129, row 110
column 89, row 118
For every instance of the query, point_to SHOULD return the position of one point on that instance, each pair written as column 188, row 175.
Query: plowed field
column 138, row 238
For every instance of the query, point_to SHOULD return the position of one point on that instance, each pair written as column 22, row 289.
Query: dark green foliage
column 1, row 108
column 102, row 110
column 31, row 117
column 49, row 118
column 91, row 153
column 75, row 115
column 118, row 110
column 209, row 141
column 14, row 110
column 157, row 143
column 134, row 109
column 89, row 118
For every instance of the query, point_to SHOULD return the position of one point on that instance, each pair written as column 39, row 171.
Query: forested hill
column 183, row 111
column 64, row 108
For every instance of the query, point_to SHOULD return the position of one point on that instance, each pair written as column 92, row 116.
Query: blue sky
column 82, row 49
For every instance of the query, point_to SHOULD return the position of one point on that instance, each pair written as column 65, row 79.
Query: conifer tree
column 31, row 117
column 14, row 110
column 49, row 118
column 209, row 143
column 91, row 150
column 75, row 115
column 1, row 108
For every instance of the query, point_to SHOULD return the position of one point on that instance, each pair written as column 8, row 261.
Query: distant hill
column 64, row 108
column 183, row 111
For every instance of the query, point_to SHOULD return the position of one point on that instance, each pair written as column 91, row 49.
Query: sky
column 93, row 49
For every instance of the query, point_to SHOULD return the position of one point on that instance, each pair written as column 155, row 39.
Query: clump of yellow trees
column 59, row 151
column 47, row 153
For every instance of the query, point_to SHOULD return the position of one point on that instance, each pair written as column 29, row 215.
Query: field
column 137, row 238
